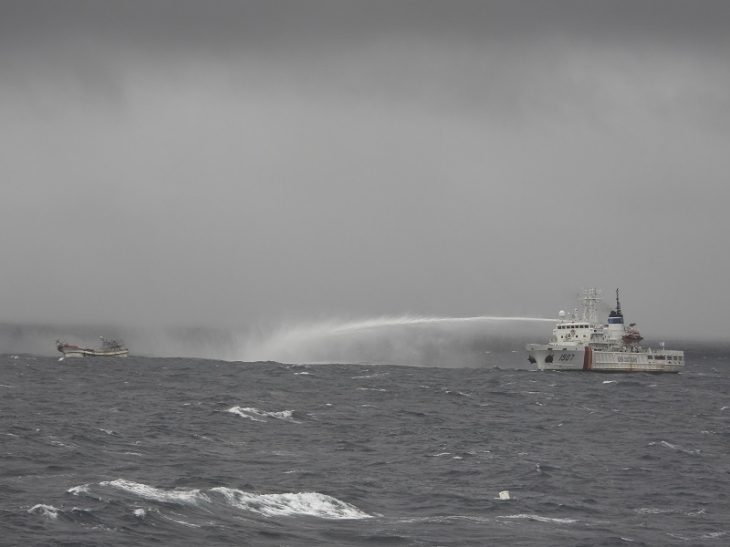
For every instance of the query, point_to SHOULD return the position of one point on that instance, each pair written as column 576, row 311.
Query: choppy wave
column 675, row 447
column 260, row 415
column 311, row 504
column 151, row 451
column 183, row 496
column 43, row 510
column 278, row 505
column 538, row 518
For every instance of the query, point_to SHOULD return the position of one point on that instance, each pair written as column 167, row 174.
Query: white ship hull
column 81, row 352
column 548, row 357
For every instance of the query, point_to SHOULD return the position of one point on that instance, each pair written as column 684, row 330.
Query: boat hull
column 586, row 358
column 81, row 352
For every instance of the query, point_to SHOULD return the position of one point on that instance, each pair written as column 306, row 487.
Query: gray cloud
column 227, row 163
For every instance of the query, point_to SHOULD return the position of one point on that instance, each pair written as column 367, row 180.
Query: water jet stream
column 405, row 340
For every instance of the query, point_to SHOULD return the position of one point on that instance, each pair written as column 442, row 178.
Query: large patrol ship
column 582, row 342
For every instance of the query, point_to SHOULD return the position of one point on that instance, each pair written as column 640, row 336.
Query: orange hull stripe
column 588, row 359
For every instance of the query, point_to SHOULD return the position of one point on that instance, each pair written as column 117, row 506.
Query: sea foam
column 303, row 503
column 269, row 505
column 260, row 415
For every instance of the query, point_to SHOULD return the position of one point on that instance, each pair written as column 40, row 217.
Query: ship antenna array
column 589, row 297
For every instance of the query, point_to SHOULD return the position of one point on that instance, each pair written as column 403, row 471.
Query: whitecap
column 709, row 535
column 48, row 511
column 182, row 522
column 303, row 503
column 374, row 375
column 713, row 535
column 76, row 490
column 183, row 496
column 675, row 447
column 59, row 443
column 441, row 518
column 538, row 518
column 260, row 415
column 653, row 511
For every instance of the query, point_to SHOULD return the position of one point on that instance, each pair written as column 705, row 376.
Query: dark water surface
column 189, row 452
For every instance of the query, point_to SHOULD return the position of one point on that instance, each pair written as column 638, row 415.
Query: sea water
column 191, row 451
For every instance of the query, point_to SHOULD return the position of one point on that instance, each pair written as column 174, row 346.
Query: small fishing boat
column 109, row 348
column 582, row 342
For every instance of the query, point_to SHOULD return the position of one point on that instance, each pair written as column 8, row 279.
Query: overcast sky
column 231, row 163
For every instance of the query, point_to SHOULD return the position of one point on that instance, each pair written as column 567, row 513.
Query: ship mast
column 590, row 297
